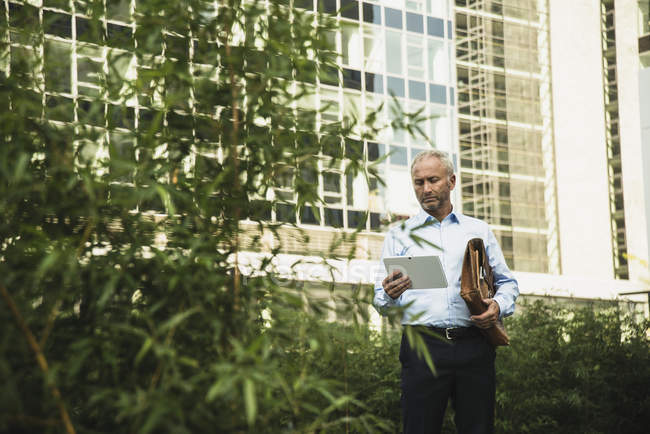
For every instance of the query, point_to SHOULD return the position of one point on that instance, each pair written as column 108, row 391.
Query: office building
column 538, row 103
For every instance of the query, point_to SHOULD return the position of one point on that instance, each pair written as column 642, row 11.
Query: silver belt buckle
column 447, row 333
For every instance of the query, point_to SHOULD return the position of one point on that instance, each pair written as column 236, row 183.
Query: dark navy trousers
column 464, row 372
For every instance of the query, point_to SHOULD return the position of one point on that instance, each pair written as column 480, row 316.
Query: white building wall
column 627, row 66
column 644, row 93
column 579, row 128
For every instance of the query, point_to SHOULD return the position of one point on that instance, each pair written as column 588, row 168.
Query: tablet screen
column 425, row 271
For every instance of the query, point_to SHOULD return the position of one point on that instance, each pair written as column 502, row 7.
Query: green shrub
column 573, row 370
column 566, row 371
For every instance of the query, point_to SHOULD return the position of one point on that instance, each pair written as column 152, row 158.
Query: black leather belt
column 453, row 333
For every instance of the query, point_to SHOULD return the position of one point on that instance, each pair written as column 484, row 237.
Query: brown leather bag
column 477, row 283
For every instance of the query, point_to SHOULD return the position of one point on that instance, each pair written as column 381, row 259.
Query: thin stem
column 234, row 142
column 40, row 357
column 158, row 372
column 50, row 323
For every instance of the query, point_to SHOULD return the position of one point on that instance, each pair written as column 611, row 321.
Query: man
column 463, row 358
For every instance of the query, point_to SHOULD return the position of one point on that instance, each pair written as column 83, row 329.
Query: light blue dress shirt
column 443, row 307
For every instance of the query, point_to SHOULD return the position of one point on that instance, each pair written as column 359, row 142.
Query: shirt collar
column 425, row 217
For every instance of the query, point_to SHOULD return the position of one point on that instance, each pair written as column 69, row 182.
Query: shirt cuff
column 503, row 306
column 382, row 300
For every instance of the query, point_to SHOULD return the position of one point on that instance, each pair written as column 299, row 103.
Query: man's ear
column 451, row 182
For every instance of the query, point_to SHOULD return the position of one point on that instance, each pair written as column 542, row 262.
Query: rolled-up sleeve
column 507, row 288
column 383, row 301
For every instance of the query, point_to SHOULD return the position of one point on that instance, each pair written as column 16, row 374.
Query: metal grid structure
column 507, row 168
column 613, row 140
column 74, row 61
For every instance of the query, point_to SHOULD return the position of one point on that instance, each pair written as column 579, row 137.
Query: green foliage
column 120, row 210
column 362, row 362
column 120, row 235
column 567, row 371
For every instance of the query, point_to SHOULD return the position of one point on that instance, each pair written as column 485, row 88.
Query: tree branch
column 40, row 357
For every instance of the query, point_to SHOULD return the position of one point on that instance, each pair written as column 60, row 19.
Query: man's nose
column 428, row 186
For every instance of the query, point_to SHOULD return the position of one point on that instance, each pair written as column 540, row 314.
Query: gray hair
column 434, row 153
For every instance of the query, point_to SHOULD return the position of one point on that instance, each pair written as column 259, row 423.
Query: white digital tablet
column 425, row 271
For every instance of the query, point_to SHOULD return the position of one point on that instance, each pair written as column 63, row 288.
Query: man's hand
column 488, row 318
column 395, row 284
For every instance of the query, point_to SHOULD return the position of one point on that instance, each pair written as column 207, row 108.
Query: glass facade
column 505, row 127
column 394, row 55
column 613, row 140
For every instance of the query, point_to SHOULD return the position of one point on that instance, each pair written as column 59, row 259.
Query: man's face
column 432, row 185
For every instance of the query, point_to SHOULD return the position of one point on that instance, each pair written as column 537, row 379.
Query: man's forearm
column 382, row 301
column 506, row 295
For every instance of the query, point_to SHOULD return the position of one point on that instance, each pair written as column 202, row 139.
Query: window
column 352, row 111
column 22, row 16
column 375, row 104
column 24, row 61
column 57, row 24
column 414, row 22
column 309, row 215
column 122, row 155
column 329, row 105
column 351, row 45
column 375, row 221
column 89, row 30
column 328, row 75
column 59, row 108
column 327, row 6
column 373, row 48
column 331, row 146
column 304, row 4
column 398, row 155
column 119, row 36
column 436, row 27
column 419, row 138
column 332, row 182
column 350, row 9
column 415, row 56
column 395, row 132
column 90, row 112
column 395, row 86
column 438, row 93
column 374, row 83
column 417, row 90
column 357, row 219
column 334, row 217
column 118, row 10
column 394, row 52
column 89, row 71
column 371, row 13
column 440, row 127
column 332, row 188
column 351, row 79
column 436, row 7
column 285, row 213
column 437, row 61
column 393, row 18
column 57, row 66
column 375, row 151
column 415, row 5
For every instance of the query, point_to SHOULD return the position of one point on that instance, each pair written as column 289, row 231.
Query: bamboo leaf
column 250, row 401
